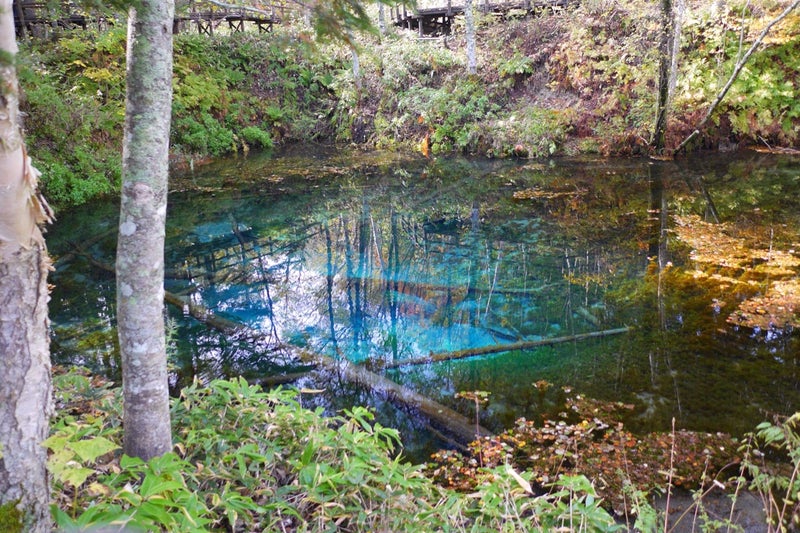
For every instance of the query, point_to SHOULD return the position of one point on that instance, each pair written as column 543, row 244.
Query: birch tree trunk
column 25, row 389
column 469, row 16
column 140, row 248
column 381, row 19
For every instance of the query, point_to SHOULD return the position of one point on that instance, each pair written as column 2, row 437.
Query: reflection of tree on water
column 658, row 252
column 440, row 262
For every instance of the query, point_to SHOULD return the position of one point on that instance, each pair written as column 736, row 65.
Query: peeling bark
column 140, row 248
column 25, row 389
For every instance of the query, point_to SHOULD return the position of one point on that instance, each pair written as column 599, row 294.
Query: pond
column 382, row 260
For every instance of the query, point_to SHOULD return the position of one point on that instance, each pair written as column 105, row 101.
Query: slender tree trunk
column 469, row 15
column 356, row 67
column 664, row 63
column 140, row 249
column 381, row 18
column 25, row 390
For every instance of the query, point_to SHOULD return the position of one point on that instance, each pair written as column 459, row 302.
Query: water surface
column 380, row 259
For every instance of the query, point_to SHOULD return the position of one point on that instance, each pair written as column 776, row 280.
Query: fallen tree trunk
column 66, row 258
column 498, row 348
column 449, row 420
column 229, row 327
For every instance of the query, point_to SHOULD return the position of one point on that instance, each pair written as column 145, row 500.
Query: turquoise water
column 379, row 259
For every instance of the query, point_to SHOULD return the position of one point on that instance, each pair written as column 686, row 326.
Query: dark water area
column 379, row 259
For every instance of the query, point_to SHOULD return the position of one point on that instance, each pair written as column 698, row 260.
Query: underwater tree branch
column 497, row 348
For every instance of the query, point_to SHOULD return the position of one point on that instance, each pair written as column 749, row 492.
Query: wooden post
column 19, row 15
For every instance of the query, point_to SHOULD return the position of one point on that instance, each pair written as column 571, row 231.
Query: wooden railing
column 39, row 17
column 432, row 16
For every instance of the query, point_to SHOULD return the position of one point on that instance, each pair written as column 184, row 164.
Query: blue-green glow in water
column 375, row 258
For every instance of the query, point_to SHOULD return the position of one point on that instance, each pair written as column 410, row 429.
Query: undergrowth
column 249, row 460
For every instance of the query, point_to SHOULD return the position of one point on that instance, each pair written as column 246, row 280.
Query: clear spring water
column 375, row 257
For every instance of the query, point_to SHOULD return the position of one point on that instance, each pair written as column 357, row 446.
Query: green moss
column 11, row 518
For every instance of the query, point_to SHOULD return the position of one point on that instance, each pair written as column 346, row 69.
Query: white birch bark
column 381, row 18
column 469, row 16
column 25, row 389
column 140, row 248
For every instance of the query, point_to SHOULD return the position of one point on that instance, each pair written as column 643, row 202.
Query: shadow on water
column 379, row 260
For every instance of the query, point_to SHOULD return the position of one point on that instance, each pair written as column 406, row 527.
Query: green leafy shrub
column 268, row 464
column 205, row 136
column 255, row 136
column 777, row 484
column 517, row 65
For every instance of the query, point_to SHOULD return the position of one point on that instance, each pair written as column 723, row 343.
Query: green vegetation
column 583, row 81
column 268, row 464
column 11, row 518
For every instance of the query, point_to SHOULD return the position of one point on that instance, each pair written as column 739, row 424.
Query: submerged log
column 203, row 314
column 442, row 416
column 79, row 250
column 278, row 379
column 498, row 348
column 449, row 420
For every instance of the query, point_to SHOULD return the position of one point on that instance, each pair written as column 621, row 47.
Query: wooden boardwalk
column 439, row 20
column 206, row 17
column 37, row 18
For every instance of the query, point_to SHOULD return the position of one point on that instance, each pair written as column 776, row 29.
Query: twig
column 669, row 480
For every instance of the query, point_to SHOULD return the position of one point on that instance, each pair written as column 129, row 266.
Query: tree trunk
column 381, row 19
column 25, row 390
column 356, row 68
column 472, row 62
column 497, row 348
column 140, row 248
column 664, row 64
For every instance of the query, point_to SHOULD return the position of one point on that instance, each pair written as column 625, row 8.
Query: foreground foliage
column 249, row 460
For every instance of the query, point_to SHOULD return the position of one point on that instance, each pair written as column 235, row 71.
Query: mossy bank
column 579, row 81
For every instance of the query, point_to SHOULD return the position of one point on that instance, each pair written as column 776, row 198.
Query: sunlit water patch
column 383, row 261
